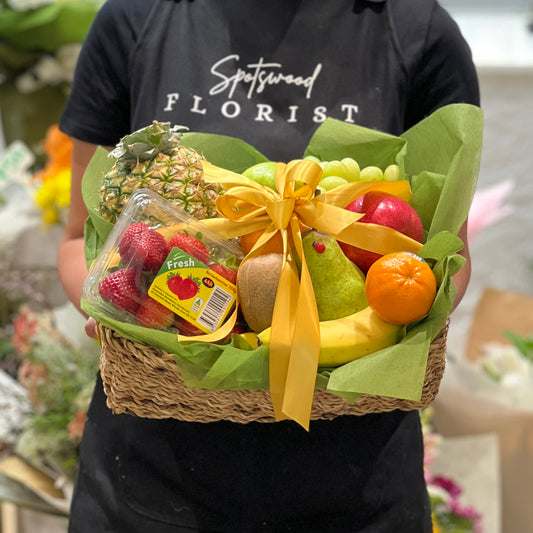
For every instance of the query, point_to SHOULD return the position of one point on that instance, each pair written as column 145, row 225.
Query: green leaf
column 523, row 344
column 96, row 228
column 49, row 27
column 447, row 143
column 226, row 152
column 335, row 140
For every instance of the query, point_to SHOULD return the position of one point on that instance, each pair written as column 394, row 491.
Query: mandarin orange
column 273, row 246
column 400, row 287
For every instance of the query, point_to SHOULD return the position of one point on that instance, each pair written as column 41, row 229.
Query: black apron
column 353, row 474
column 270, row 79
column 268, row 72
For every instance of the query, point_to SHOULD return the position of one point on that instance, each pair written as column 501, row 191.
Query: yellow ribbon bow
column 247, row 206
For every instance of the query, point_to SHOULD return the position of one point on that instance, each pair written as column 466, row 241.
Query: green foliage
column 522, row 343
column 48, row 27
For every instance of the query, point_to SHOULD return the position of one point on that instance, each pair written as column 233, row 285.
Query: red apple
column 386, row 210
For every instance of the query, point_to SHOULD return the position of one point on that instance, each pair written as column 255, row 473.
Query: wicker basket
column 145, row 381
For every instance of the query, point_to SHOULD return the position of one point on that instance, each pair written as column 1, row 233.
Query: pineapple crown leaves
column 146, row 143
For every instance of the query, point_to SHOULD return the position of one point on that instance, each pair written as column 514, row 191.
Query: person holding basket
column 268, row 73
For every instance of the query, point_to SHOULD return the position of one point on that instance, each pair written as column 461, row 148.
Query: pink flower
column 455, row 505
column 32, row 376
column 25, row 326
column 431, row 442
column 448, row 485
column 76, row 425
column 487, row 207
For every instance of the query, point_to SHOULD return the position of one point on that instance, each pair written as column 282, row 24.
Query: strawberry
column 186, row 328
column 122, row 289
column 131, row 235
column 188, row 289
column 225, row 271
column 190, row 245
column 142, row 247
column 152, row 314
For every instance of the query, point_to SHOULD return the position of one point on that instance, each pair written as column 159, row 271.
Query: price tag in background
column 15, row 162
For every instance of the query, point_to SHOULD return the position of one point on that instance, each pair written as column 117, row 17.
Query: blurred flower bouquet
column 56, row 372
column 490, row 391
column 499, row 363
column 59, row 380
column 52, row 183
column 450, row 514
column 34, row 198
column 510, row 365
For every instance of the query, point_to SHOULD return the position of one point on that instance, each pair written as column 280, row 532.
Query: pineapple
column 153, row 158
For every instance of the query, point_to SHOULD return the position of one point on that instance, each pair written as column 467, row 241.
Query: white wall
column 502, row 254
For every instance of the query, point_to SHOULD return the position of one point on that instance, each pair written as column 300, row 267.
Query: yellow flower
column 44, row 197
column 436, row 528
column 62, row 185
column 53, row 181
column 50, row 216
column 53, row 197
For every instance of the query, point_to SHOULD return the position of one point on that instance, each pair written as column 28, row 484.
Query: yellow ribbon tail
column 282, row 335
column 305, row 349
column 222, row 332
column 345, row 194
column 378, row 239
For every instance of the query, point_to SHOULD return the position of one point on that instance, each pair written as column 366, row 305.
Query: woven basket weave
column 145, row 381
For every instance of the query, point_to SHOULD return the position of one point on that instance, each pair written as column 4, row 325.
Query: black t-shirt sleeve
column 98, row 110
column 445, row 73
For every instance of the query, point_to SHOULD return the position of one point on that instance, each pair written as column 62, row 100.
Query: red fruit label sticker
column 194, row 292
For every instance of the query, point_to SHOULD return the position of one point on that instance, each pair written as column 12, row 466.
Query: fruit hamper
column 184, row 368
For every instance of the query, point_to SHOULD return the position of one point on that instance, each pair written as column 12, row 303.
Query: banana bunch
column 344, row 339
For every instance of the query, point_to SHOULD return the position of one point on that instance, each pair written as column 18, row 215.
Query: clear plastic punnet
column 163, row 269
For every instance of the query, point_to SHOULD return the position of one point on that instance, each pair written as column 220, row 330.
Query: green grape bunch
column 339, row 172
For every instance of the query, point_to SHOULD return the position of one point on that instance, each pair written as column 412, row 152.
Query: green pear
column 339, row 285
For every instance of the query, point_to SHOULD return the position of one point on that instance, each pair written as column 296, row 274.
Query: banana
column 251, row 338
column 344, row 339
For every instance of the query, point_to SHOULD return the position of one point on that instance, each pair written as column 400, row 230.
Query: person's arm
column 444, row 73
column 71, row 264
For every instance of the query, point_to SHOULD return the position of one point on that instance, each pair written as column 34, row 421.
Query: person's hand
column 90, row 328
